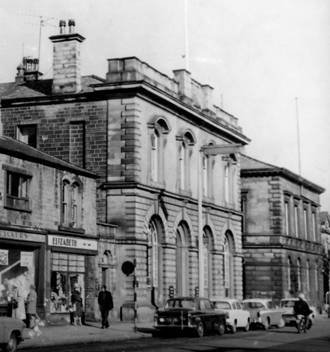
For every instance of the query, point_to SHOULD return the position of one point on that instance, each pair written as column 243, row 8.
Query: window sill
column 71, row 229
column 24, row 210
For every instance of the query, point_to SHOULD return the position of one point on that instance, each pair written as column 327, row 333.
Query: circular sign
column 127, row 267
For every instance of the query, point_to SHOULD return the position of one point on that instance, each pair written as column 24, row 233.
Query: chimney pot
column 62, row 26
column 71, row 24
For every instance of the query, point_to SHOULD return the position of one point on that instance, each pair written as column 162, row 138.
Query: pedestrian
column 31, row 307
column 18, row 310
column 106, row 304
column 77, row 304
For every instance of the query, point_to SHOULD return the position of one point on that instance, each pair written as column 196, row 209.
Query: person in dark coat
column 77, row 305
column 105, row 304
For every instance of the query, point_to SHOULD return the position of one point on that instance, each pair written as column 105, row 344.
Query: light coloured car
column 11, row 333
column 289, row 317
column 264, row 312
column 238, row 317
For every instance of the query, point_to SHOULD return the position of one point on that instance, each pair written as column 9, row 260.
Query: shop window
column 17, row 268
column 27, row 134
column 17, row 191
column 66, row 271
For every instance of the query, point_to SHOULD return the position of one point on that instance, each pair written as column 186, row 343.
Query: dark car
column 190, row 314
column 11, row 333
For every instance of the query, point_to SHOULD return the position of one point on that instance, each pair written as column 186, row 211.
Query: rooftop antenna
column 298, row 136
column 186, row 36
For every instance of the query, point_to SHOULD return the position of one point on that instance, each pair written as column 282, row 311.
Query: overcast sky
column 257, row 54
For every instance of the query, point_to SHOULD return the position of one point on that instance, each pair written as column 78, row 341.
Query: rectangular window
column 27, row 134
column 305, row 223
column 17, row 191
column 66, row 271
column 314, row 226
column 296, row 220
column 286, row 218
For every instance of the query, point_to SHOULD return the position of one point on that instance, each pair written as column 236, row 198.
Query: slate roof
column 17, row 149
column 253, row 167
column 41, row 88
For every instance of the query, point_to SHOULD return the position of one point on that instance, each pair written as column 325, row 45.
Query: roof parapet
column 182, row 86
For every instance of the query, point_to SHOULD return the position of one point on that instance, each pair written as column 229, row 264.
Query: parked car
column 287, row 305
column 238, row 317
column 189, row 314
column 264, row 312
column 11, row 333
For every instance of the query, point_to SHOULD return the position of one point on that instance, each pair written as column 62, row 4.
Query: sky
column 259, row 55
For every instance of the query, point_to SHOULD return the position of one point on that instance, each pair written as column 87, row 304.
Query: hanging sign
column 3, row 256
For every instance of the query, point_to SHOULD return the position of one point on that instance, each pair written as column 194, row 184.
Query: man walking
column 105, row 304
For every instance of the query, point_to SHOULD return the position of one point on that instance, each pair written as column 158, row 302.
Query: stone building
column 144, row 134
column 281, row 234
column 47, row 229
column 325, row 236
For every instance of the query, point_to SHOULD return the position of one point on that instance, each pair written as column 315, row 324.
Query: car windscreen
column 180, row 303
column 253, row 305
column 287, row 304
column 221, row 305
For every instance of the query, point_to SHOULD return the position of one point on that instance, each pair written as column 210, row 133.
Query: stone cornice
column 162, row 192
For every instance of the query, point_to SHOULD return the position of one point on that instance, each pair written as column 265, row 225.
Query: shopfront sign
column 21, row 236
column 72, row 242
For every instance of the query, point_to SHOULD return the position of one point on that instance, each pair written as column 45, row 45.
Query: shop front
column 22, row 257
column 72, row 265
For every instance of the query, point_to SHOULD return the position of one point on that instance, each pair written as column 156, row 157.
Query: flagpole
column 186, row 36
column 298, row 137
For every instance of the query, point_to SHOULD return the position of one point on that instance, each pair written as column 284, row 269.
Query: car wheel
column 12, row 344
column 247, row 326
column 267, row 324
column 220, row 328
column 233, row 328
column 281, row 324
column 200, row 329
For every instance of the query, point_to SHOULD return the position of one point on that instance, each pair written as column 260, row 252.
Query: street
column 279, row 340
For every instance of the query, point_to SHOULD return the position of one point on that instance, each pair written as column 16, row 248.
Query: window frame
column 10, row 204
column 20, row 135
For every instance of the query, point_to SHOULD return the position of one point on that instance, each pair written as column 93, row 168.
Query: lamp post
column 216, row 149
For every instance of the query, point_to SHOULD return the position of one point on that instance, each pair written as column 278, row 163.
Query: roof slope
column 40, row 88
column 253, row 167
column 12, row 147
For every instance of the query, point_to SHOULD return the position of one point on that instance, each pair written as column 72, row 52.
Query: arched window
column 155, row 157
column 289, row 274
column 153, row 257
column 75, row 206
column 316, row 278
column 186, row 142
column 227, row 183
column 228, row 265
column 71, row 210
column 158, row 129
column 182, row 260
column 65, row 202
column 308, row 279
column 299, row 274
column 207, row 257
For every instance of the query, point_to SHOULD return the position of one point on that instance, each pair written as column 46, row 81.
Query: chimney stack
column 66, row 59
column 28, row 70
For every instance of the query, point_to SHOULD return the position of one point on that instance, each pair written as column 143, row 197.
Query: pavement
column 89, row 333
column 92, row 332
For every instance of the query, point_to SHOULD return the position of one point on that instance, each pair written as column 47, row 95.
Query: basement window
column 27, row 134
